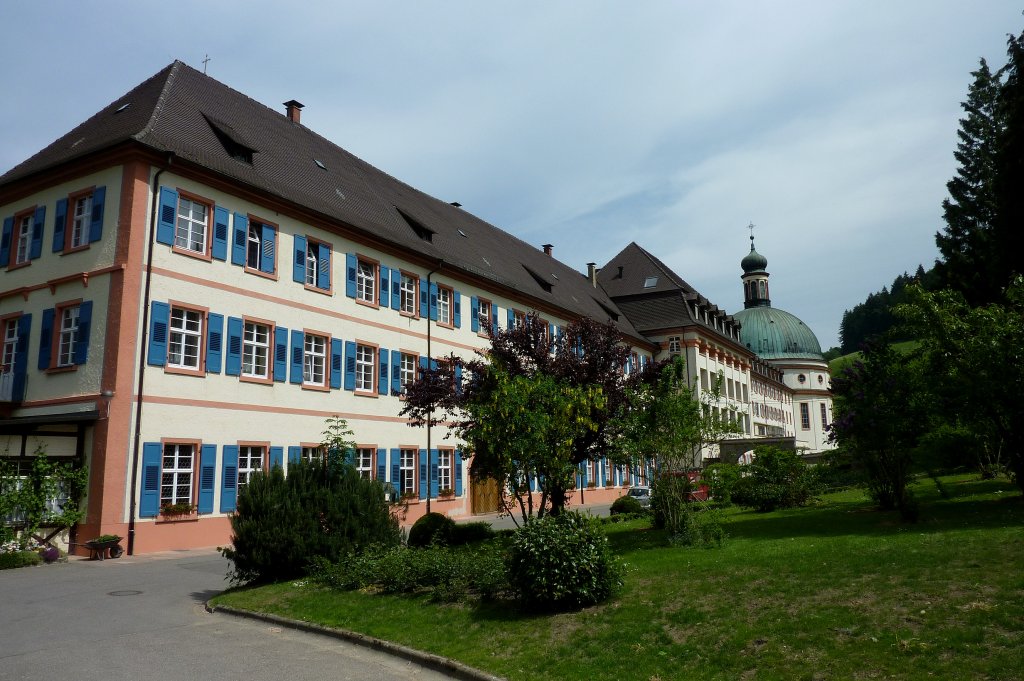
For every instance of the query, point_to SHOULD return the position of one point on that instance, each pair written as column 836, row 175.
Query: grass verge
column 834, row 591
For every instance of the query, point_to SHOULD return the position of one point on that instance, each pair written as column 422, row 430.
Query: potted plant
column 177, row 510
column 409, row 496
column 446, row 493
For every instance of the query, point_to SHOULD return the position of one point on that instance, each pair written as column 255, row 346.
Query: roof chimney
column 293, row 110
column 547, row 249
column 592, row 273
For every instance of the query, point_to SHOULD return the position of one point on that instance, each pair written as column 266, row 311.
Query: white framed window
column 518, row 319
column 312, row 454
column 250, row 460
column 673, row 344
column 176, row 474
column 10, row 349
column 81, row 216
column 805, row 416
column 407, row 471
column 186, row 338
column 366, row 282
column 22, row 240
column 364, row 462
column 408, row 290
column 824, row 416
column 67, row 336
column 254, row 246
column 483, row 315
column 256, row 350
column 312, row 255
column 366, row 356
column 408, row 369
column 444, row 305
column 191, row 227
column 444, row 470
column 314, row 360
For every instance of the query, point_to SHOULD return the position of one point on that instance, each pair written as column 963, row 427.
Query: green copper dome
column 776, row 334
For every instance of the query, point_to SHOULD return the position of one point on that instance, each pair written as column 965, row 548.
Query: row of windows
column 78, row 221
column 769, row 412
column 805, row 416
column 186, row 471
column 190, row 340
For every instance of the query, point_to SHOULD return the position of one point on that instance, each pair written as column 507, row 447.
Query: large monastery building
column 193, row 283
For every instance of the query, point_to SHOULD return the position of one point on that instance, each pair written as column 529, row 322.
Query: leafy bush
column 447, row 574
column 562, row 561
column 702, row 525
column 777, row 478
column 17, row 559
column 626, row 504
column 433, row 528
column 721, row 478
column 282, row 524
column 469, row 533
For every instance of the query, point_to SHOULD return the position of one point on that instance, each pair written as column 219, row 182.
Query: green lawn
column 837, row 591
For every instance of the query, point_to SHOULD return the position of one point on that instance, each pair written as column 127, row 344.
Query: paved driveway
column 142, row 617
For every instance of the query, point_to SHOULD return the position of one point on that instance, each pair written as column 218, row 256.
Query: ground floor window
column 312, row 454
column 176, row 474
column 364, row 462
column 444, row 470
column 407, row 471
column 250, row 460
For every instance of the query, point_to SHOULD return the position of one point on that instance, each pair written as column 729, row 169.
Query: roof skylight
column 123, row 107
column 650, row 282
column 319, row 164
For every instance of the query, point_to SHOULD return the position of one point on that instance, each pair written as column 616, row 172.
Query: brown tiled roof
column 189, row 114
column 650, row 294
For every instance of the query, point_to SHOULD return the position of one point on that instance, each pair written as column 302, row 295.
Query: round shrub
column 626, row 504
column 561, row 562
column 433, row 528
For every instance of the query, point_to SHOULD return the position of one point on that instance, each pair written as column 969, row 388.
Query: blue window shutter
column 159, row 318
column 239, row 240
column 474, row 314
column 424, row 363
column 84, row 329
column 434, row 482
column 424, row 297
column 298, row 339
column 494, row 318
column 268, row 259
column 396, row 471
column 336, row 352
column 350, row 365
column 168, row 216
column 21, row 358
column 59, row 223
column 5, row 241
column 280, row 354
column 583, row 473
column 350, row 275
column 457, row 307
column 458, row 379
column 229, row 479
column 457, row 463
column 384, row 287
column 99, row 197
column 277, row 457
column 423, row 474
column 433, row 365
column 323, row 275
column 511, row 319
column 233, row 363
column 294, row 454
column 36, row 247
column 149, row 499
column 46, row 338
column 207, row 478
column 603, row 474
column 382, row 380
column 220, row 234
column 533, row 481
column 299, row 262
column 214, row 342
column 382, row 463
column 396, row 372
column 433, row 301
column 396, row 289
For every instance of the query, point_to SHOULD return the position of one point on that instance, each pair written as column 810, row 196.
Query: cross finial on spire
column 751, row 228
column 206, row 60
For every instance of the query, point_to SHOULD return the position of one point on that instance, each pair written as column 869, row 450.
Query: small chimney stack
column 294, row 110
column 592, row 273
column 547, row 249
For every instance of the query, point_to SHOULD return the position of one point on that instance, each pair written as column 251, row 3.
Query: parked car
column 641, row 494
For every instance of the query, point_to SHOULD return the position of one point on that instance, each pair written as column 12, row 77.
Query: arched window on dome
column 761, row 289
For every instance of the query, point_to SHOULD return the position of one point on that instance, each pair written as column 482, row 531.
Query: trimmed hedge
column 17, row 559
column 626, row 504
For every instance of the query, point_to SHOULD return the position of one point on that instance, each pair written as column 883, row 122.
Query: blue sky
column 830, row 125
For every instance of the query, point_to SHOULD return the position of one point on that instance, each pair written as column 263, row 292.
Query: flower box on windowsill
column 176, row 513
column 446, row 494
column 591, row 485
